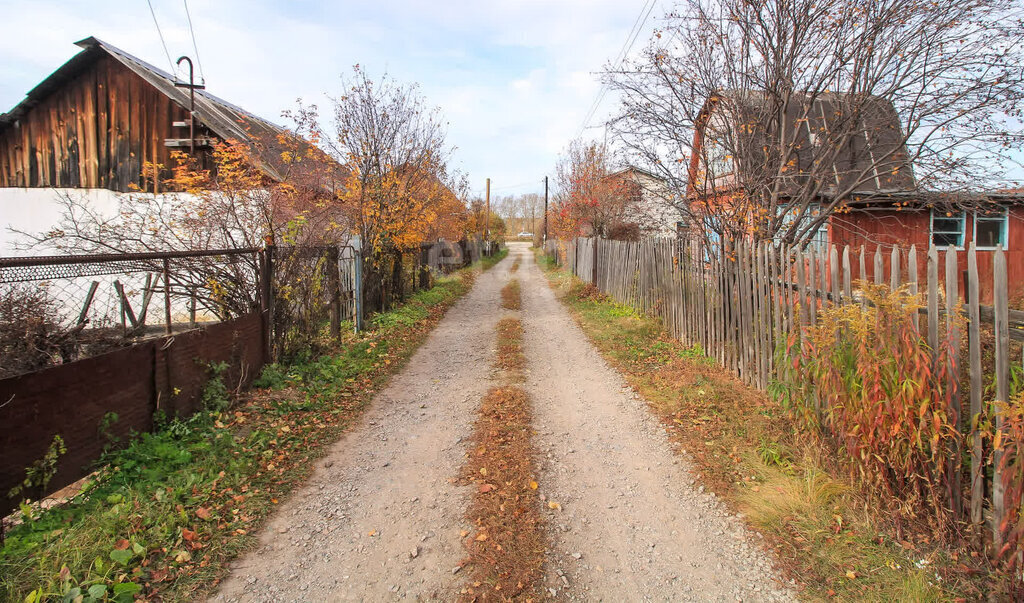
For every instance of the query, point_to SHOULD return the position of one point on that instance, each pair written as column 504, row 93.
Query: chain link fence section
column 57, row 309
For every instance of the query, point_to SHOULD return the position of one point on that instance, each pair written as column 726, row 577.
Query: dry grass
column 510, row 296
column 506, row 550
column 744, row 448
column 510, row 351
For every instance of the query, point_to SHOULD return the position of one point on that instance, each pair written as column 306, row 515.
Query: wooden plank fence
column 739, row 300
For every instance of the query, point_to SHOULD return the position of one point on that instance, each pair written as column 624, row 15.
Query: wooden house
column 649, row 204
column 96, row 121
column 881, row 205
column 933, row 219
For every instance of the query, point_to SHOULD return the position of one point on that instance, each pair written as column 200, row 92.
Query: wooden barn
column 98, row 119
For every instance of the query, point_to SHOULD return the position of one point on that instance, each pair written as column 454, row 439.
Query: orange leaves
column 203, row 513
column 509, row 543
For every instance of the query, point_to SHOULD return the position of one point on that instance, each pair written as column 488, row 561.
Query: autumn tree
column 478, row 224
column 806, row 105
column 587, row 200
column 235, row 205
column 399, row 190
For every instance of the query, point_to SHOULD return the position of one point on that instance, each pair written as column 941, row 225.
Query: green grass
column 163, row 515
column 745, row 450
column 488, row 263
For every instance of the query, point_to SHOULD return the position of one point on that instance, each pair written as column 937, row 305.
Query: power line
column 627, row 46
column 199, row 62
column 170, row 63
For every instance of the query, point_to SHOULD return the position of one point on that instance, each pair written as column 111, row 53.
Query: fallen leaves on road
column 507, row 554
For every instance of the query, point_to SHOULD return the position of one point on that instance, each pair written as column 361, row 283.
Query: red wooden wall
column 885, row 229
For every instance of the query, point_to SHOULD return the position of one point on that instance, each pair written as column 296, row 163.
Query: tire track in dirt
column 381, row 517
column 632, row 525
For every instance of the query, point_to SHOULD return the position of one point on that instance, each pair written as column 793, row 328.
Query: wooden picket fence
column 739, row 301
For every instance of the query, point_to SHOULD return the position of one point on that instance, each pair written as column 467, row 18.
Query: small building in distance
column 649, row 205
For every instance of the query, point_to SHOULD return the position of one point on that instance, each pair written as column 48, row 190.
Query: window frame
column 818, row 241
column 1005, row 218
column 963, row 229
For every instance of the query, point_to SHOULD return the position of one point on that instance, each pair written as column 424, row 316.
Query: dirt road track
column 632, row 525
column 381, row 519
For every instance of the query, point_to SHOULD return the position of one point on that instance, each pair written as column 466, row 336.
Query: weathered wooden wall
column 96, row 130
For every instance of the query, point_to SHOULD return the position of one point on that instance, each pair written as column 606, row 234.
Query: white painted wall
column 38, row 210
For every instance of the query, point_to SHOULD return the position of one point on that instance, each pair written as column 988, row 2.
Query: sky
column 514, row 80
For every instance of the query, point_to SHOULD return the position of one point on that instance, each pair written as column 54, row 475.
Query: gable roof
column 628, row 169
column 224, row 119
column 877, row 149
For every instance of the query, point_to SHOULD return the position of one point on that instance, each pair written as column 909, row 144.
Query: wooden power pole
column 545, row 208
column 487, row 220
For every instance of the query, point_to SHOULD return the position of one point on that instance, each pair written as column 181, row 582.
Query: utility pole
column 545, row 208
column 487, row 220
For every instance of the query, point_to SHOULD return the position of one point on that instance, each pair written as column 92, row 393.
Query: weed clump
column 511, row 299
column 865, row 379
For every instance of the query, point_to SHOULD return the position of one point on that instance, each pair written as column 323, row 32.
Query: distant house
column 649, row 204
column 882, row 205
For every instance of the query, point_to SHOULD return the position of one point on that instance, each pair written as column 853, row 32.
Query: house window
column 947, row 230
column 815, row 241
column 990, row 229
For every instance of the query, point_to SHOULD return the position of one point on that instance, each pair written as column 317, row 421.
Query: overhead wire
column 627, row 46
column 170, row 63
column 195, row 48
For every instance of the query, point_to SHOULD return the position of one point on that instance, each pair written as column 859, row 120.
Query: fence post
column 334, row 287
column 167, row 296
column 953, row 380
column 267, row 300
column 357, row 292
column 1002, row 370
column 594, row 262
column 974, row 354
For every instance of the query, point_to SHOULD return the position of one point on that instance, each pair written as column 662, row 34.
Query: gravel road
column 632, row 526
column 381, row 517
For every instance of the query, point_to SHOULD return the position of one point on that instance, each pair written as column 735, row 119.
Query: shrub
column 31, row 334
column 865, row 379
